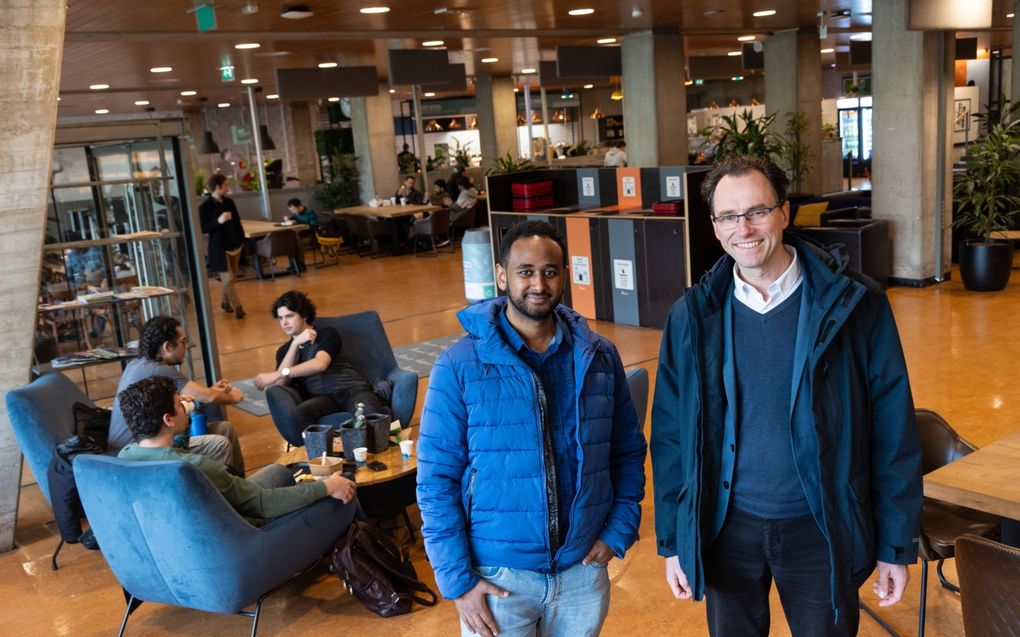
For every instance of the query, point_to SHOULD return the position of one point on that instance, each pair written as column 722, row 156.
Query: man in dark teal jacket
column 784, row 445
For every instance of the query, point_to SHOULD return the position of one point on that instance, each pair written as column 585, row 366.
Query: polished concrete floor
column 961, row 351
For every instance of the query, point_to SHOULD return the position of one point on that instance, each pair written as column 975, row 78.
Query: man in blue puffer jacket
column 531, row 463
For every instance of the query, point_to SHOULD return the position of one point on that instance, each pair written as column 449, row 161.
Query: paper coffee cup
column 361, row 455
column 406, row 448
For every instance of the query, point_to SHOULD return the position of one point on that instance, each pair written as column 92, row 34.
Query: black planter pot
column 352, row 438
column 378, row 426
column 985, row 265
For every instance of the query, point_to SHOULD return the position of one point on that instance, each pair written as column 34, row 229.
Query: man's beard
column 534, row 315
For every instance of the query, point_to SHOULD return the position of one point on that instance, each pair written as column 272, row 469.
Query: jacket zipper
column 552, row 494
column 470, row 499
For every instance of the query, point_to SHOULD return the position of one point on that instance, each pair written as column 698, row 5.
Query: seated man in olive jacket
column 155, row 414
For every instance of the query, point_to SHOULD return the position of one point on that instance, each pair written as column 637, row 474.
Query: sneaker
column 239, row 312
column 88, row 540
column 226, row 307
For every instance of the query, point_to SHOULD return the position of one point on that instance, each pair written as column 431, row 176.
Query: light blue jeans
column 571, row 603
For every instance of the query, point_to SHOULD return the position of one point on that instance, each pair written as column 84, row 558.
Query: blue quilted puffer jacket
column 481, row 474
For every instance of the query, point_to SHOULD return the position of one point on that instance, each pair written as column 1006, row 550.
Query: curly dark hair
column 739, row 165
column 144, row 403
column 530, row 229
column 296, row 301
column 155, row 332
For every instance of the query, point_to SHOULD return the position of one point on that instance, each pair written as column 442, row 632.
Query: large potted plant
column 986, row 201
column 744, row 134
column 795, row 156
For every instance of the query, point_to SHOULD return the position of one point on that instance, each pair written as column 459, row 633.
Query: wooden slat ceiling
column 116, row 42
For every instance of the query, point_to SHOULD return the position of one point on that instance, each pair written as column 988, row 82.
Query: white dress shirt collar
column 778, row 291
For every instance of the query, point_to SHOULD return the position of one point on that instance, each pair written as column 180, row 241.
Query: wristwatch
column 285, row 372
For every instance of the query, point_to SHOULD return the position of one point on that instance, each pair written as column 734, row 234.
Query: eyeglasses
column 754, row 216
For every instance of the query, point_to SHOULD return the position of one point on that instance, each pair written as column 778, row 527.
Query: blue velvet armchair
column 170, row 537
column 42, row 415
column 369, row 351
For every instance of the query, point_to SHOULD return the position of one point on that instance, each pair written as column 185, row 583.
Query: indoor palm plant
column 744, row 134
column 794, row 155
column 986, row 200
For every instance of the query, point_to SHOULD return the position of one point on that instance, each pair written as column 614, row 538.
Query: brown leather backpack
column 375, row 571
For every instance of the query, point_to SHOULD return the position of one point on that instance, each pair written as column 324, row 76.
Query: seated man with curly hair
column 161, row 349
column 313, row 367
column 155, row 413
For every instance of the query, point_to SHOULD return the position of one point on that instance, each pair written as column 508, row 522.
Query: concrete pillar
column 303, row 139
column 793, row 82
column 904, row 171
column 1014, row 87
column 31, row 49
column 654, row 99
column 372, row 121
column 497, row 118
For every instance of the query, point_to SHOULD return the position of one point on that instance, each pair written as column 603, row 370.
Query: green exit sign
column 227, row 73
column 205, row 16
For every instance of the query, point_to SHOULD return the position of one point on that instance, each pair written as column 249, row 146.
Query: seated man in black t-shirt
column 313, row 364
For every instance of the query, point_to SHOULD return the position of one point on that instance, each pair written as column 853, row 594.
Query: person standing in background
column 222, row 222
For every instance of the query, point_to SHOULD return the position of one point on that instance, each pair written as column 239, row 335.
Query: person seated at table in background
column 156, row 414
column 297, row 212
column 312, row 368
column 466, row 198
column 438, row 193
column 407, row 193
column 616, row 157
column 161, row 349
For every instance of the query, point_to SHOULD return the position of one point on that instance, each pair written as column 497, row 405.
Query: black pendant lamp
column 208, row 145
column 267, row 141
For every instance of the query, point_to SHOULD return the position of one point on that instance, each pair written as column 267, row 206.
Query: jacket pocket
column 861, row 524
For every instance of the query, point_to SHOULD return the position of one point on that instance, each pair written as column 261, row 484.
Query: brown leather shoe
column 239, row 312
column 226, row 307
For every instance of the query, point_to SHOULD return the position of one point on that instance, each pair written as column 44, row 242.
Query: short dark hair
column 144, row 403
column 216, row 181
column 296, row 301
column 155, row 332
column 295, row 202
column 440, row 182
column 530, row 229
column 739, row 165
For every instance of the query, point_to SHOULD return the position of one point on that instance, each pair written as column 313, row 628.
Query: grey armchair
column 435, row 226
column 369, row 351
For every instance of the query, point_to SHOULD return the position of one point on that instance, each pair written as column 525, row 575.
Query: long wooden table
column 987, row 480
column 255, row 230
column 390, row 213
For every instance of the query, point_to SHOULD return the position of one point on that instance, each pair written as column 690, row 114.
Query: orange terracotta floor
column 962, row 356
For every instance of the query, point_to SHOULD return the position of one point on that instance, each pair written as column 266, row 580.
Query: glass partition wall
column 118, row 251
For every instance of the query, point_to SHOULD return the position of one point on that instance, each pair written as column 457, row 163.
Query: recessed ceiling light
column 1009, row 15
column 605, row 40
column 527, row 71
column 102, row 111
column 581, row 11
column 334, row 99
column 764, row 14
column 490, row 60
column 249, row 80
column 328, row 65
column 392, row 91
column 188, row 93
column 272, row 96
column 99, row 87
column 432, row 43
column 141, row 102
column 712, row 12
column 589, row 86
column 223, row 104
column 861, row 37
column 688, row 82
column 826, row 51
column 247, row 45
column 517, row 90
column 161, row 69
column 733, row 54
column 375, row 10
column 737, row 78
column 296, row 12
column 745, row 38
column 58, row 98
column 430, row 94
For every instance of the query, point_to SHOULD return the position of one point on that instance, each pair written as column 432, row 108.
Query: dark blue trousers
column 748, row 555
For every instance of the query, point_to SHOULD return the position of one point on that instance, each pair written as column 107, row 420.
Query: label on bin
column 623, row 274
column 579, row 270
